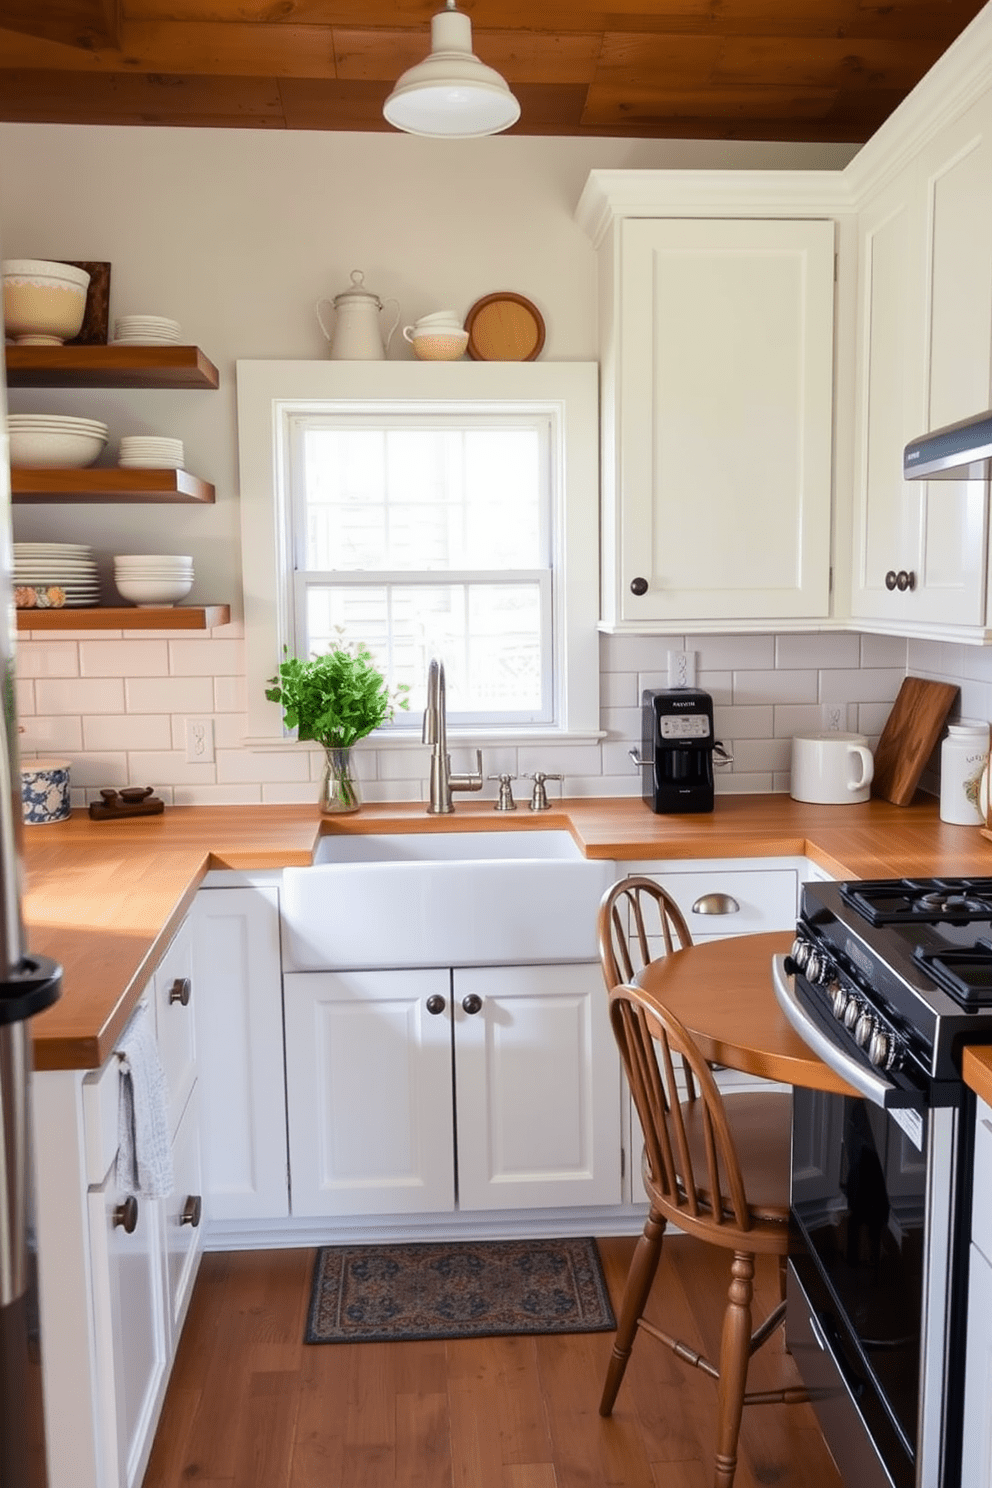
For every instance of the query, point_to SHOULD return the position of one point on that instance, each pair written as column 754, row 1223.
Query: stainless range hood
column 958, row 452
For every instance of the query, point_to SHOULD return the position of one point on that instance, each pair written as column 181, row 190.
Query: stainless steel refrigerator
column 27, row 985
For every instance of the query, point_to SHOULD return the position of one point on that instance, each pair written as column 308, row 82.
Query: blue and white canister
column 45, row 791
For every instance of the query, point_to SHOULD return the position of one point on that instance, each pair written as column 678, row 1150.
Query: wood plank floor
column 251, row 1406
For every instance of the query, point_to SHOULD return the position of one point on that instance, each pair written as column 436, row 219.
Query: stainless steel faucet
column 442, row 781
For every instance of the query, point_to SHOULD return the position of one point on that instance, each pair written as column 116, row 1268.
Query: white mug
column 831, row 769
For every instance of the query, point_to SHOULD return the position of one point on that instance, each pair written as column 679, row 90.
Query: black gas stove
column 899, row 971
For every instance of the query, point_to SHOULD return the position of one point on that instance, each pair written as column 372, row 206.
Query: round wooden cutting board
column 504, row 327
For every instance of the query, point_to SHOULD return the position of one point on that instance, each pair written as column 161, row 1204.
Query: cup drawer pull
column 716, row 904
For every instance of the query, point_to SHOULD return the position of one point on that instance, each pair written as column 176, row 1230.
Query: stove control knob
column 838, row 1000
column 852, row 1012
column 863, row 1030
column 801, row 952
column 880, row 1049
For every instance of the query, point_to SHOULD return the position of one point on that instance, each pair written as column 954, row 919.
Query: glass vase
column 339, row 789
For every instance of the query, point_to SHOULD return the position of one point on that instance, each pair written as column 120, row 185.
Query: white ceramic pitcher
column 357, row 333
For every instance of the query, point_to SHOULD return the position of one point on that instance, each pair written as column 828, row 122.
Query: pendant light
column 451, row 94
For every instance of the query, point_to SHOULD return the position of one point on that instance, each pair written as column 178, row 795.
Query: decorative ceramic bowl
column 45, row 791
column 43, row 303
column 149, row 592
column 439, row 346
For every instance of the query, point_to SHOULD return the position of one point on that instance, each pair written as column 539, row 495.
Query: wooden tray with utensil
column 134, row 800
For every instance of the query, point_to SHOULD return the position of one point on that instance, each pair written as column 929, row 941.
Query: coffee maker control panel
column 682, row 726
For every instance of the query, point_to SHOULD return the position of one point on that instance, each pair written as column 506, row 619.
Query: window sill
column 468, row 738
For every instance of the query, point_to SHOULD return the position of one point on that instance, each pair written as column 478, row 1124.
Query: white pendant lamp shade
column 451, row 94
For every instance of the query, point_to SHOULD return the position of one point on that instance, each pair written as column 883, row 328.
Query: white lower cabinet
column 390, row 1074
column 116, row 1268
column 238, row 971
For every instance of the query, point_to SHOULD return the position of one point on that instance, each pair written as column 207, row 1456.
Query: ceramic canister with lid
column 963, row 757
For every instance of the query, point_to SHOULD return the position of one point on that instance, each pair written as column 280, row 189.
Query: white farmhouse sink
column 442, row 899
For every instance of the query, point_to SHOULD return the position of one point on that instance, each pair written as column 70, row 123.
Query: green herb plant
column 337, row 698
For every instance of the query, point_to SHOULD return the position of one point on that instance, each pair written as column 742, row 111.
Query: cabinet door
column 925, row 347
column 976, row 1464
column 537, row 1088
column 238, row 1010
column 130, row 1342
column 174, row 1021
column 182, row 1213
column 368, row 1073
column 724, row 409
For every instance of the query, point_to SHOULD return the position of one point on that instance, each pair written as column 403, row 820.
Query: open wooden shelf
column 113, row 483
column 110, row 366
column 130, row 617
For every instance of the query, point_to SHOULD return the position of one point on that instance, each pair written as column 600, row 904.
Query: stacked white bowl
column 151, row 452
column 51, row 441
column 146, row 330
column 148, row 579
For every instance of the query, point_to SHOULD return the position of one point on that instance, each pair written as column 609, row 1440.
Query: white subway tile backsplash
column 217, row 659
column 127, row 731
column 775, row 687
column 870, row 685
column 48, row 659
column 99, row 658
column 79, row 695
column 23, row 696
column 56, row 734
column 830, row 649
column 115, row 703
column 169, row 694
column 884, row 651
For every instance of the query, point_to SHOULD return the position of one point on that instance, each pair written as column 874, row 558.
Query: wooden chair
column 719, row 1170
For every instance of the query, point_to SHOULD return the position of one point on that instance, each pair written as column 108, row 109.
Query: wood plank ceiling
column 829, row 70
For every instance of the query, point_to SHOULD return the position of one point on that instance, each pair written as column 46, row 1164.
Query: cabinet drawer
column 175, row 1023
column 981, row 1214
column 765, row 900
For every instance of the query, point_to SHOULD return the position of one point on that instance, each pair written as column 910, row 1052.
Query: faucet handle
column 505, row 801
column 539, row 796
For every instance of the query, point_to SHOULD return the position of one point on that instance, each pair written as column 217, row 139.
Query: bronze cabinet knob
column 638, row 586
column 126, row 1215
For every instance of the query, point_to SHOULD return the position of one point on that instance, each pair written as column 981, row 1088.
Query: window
column 427, row 511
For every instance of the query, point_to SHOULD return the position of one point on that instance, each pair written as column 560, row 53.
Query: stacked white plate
column 145, row 330
column 54, row 441
column 67, row 566
column 153, row 578
column 150, row 452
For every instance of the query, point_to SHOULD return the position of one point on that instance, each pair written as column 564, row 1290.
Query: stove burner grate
column 928, row 900
column 965, row 973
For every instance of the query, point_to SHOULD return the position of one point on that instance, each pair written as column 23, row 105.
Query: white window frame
column 270, row 393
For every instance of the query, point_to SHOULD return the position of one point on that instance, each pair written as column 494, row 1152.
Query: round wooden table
column 721, row 990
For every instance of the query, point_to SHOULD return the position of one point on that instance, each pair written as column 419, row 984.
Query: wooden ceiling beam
column 76, row 23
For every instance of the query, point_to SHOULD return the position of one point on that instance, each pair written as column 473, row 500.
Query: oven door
column 859, row 1205
column 875, row 1195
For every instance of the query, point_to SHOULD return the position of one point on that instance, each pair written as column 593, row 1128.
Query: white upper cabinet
column 925, row 356
column 717, row 421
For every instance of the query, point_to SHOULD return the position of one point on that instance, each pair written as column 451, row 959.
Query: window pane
column 423, row 499
column 489, row 636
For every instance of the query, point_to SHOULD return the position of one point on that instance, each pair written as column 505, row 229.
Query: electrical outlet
column 833, row 717
column 199, row 741
column 681, row 668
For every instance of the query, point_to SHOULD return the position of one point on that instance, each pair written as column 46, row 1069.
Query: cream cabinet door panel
column 725, row 417
column 130, row 1342
column 976, row 1464
column 368, row 1072
column 237, row 1004
column 538, row 1088
column 926, row 345
column 182, row 1215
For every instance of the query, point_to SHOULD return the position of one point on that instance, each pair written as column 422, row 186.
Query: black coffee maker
column 677, row 747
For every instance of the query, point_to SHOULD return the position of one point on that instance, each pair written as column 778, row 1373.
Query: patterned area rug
column 482, row 1289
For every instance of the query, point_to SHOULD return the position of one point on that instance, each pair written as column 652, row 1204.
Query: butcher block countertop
column 105, row 898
